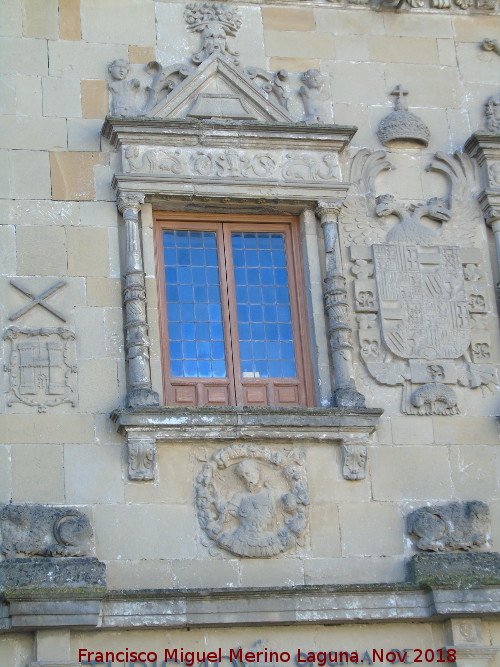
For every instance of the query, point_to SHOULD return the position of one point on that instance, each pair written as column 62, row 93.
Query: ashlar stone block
column 24, row 56
column 297, row 44
column 141, row 54
column 37, row 472
column 93, row 473
column 30, row 174
column 8, row 249
column 41, row 251
column 41, row 19
column 11, row 18
column 57, row 428
column 288, row 18
column 153, row 534
column 69, row 20
column 371, row 529
column 135, row 23
column 61, row 97
column 84, row 134
column 94, row 97
column 88, row 253
column 34, row 133
column 72, row 174
column 405, row 472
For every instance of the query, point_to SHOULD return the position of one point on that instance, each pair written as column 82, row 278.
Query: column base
column 346, row 397
column 142, row 398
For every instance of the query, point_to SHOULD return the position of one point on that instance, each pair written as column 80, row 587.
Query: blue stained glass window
column 263, row 299
column 194, row 310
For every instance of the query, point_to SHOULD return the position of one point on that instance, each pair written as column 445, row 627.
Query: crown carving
column 401, row 124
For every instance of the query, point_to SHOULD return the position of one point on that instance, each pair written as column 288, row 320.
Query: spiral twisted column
column 345, row 394
column 140, row 393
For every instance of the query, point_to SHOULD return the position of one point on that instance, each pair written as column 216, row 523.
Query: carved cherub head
column 312, row 78
column 248, row 471
column 119, row 69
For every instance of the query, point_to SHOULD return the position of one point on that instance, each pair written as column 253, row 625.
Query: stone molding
column 433, row 7
column 298, row 606
column 161, row 426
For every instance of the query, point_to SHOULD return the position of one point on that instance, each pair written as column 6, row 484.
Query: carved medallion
column 251, row 501
column 41, row 367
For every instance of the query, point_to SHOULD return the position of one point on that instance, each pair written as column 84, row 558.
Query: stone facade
column 365, row 519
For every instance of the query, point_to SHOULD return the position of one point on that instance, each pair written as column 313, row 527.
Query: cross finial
column 399, row 92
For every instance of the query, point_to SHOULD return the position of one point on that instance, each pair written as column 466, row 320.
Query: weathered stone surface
column 450, row 527
column 42, row 530
column 262, row 515
column 455, row 569
column 67, row 576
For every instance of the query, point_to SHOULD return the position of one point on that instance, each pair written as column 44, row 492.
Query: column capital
column 490, row 205
column 129, row 200
column 328, row 210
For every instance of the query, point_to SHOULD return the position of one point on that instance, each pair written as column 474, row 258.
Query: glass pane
column 194, row 310
column 263, row 305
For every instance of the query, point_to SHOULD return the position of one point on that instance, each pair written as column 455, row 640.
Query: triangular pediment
column 217, row 89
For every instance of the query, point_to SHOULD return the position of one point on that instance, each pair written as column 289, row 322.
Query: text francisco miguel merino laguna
column 238, row 657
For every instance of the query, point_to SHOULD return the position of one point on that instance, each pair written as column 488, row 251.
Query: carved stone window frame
column 259, row 168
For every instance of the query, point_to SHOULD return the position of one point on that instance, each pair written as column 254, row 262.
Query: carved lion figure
column 450, row 527
column 40, row 530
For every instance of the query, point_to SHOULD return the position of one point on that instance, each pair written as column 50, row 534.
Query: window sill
column 145, row 428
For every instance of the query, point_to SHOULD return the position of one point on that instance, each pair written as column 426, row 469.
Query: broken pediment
column 217, row 89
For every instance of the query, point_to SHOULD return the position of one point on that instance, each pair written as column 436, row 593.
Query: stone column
column 140, row 393
column 491, row 209
column 345, row 394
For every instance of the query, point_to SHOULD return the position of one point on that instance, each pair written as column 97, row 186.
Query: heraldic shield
column 422, row 300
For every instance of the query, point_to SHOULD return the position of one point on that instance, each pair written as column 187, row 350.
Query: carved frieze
column 42, row 367
column 251, row 501
column 419, row 297
column 231, row 163
column 453, row 527
column 43, row 530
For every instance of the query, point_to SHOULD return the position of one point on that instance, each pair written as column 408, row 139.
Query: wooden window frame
column 234, row 390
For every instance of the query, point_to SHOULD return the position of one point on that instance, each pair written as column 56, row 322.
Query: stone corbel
column 140, row 393
column 354, row 455
column 345, row 394
column 466, row 639
column 141, row 448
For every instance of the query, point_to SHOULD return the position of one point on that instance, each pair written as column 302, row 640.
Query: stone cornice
column 398, row 602
column 325, row 425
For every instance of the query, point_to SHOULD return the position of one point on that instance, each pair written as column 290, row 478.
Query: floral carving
column 251, row 501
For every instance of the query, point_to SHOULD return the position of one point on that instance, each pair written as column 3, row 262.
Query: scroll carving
column 452, row 527
column 251, row 501
column 253, row 94
column 41, row 530
column 354, row 461
column 42, row 367
column 141, row 457
column 232, row 163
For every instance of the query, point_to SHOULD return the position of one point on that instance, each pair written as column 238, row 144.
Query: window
column 233, row 317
